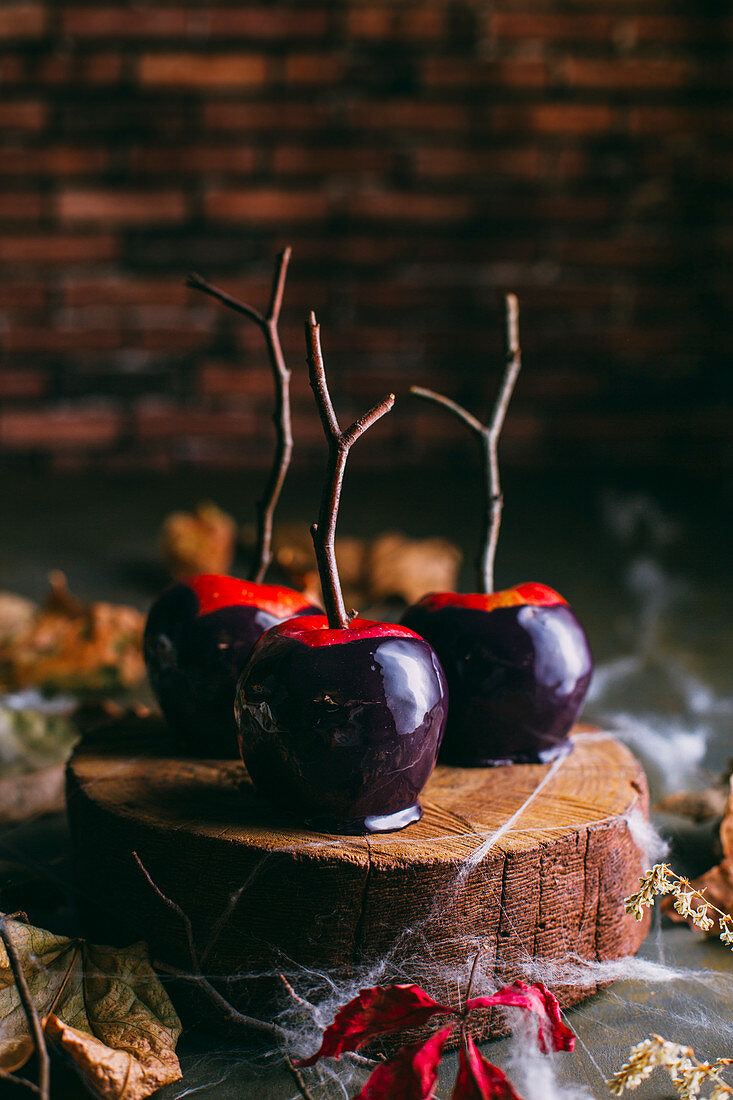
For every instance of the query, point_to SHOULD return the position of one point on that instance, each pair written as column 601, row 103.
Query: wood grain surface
column 265, row 895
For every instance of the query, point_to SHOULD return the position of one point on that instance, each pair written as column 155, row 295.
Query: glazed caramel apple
column 340, row 719
column 518, row 668
column 517, row 662
column 198, row 637
column 342, row 725
column 201, row 630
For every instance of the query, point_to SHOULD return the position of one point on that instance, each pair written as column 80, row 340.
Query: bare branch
column 357, row 429
column 339, row 445
column 439, row 399
column 278, row 285
column 317, row 373
column 172, row 905
column 31, row 1013
column 489, row 437
column 495, row 502
column 197, row 282
column 281, row 416
column 298, row 1078
column 227, row 1010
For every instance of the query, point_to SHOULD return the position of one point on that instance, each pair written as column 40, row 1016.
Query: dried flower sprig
column 688, row 1075
column 661, row 879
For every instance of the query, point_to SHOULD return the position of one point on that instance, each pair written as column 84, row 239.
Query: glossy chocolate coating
column 345, row 736
column 517, row 678
column 194, row 661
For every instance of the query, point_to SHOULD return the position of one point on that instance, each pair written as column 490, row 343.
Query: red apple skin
column 342, row 727
column 518, row 666
column 198, row 637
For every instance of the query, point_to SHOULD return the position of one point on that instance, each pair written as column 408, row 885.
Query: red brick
column 26, row 114
column 681, row 120
column 573, row 27
column 12, row 70
column 23, row 295
column 20, row 206
column 673, row 28
column 28, row 383
column 192, row 70
column 67, row 427
column 554, row 118
column 290, row 115
column 57, row 248
column 135, row 21
column 417, row 24
column 409, row 206
column 626, row 75
column 456, row 72
column 442, row 163
column 52, row 161
column 312, row 160
column 266, row 204
column 410, row 114
column 125, row 292
column 54, row 340
column 370, row 22
column 72, row 69
column 313, row 70
column 22, row 20
column 223, row 381
column 237, row 160
column 164, row 420
column 121, row 207
column 265, row 22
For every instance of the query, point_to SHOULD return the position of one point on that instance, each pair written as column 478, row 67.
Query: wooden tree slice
column 533, row 861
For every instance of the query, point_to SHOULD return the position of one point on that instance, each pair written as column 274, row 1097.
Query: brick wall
column 421, row 156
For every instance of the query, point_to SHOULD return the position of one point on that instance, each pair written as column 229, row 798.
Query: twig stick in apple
column 339, row 445
column 489, row 434
column 267, row 322
column 31, row 1013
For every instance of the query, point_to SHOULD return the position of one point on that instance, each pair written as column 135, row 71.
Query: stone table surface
column 646, row 564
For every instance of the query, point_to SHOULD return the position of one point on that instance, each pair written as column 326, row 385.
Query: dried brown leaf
column 696, row 805
column 202, row 541
column 391, row 566
column 16, row 612
column 70, row 646
column 103, row 1006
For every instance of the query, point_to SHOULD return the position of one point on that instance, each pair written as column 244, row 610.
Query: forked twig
column 197, row 978
column 298, row 1078
column 488, row 434
column 339, row 445
column 267, row 323
column 34, row 1022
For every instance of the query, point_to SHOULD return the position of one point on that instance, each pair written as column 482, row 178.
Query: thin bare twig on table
column 42, row 1089
column 298, row 1078
column 195, row 977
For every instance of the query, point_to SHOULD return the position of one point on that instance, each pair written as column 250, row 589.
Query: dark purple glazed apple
column 201, row 631
column 518, row 667
column 198, row 638
column 342, row 727
column 340, row 719
column 517, row 662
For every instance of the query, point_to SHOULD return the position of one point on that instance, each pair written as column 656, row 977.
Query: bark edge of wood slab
column 552, row 885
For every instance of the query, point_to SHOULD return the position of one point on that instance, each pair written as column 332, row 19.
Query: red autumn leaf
column 478, row 1080
column 375, row 1012
column 552, row 1034
column 411, row 1074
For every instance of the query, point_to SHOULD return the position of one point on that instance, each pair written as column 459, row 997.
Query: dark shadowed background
column 421, row 158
